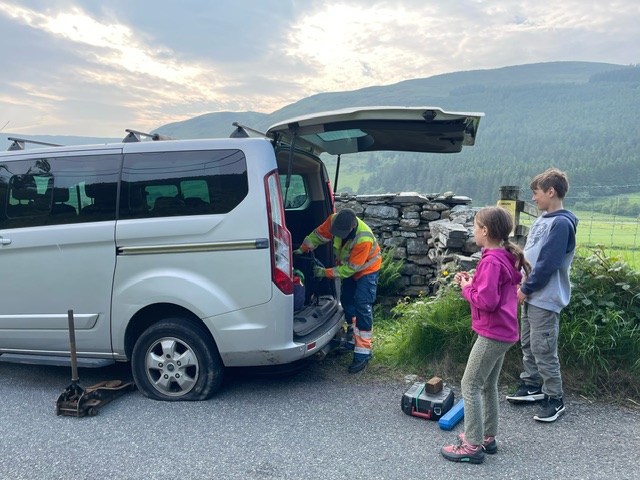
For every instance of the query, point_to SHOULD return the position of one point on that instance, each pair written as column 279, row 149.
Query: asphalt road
column 318, row 424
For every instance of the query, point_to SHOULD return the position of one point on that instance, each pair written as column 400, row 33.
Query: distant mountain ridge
column 443, row 90
column 581, row 117
column 578, row 116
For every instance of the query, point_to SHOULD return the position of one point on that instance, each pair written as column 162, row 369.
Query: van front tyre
column 175, row 360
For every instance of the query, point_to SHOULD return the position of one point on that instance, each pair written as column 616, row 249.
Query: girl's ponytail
column 521, row 261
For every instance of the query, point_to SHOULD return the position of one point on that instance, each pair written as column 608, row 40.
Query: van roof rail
column 18, row 143
column 134, row 136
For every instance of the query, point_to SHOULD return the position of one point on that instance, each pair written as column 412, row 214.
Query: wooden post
column 510, row 201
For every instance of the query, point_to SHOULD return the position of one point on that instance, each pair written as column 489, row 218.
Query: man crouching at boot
column 358, row 261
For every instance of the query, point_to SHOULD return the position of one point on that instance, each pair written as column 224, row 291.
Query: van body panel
column 265, row 325
column 54, row 269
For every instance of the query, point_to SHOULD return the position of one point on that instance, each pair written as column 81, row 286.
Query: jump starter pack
column 433, row 401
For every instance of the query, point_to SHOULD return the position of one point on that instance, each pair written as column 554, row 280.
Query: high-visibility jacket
column 356, row 257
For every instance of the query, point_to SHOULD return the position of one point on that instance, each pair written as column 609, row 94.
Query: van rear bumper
column 291, row 351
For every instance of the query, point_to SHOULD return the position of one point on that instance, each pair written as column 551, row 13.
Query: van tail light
column 279, row 236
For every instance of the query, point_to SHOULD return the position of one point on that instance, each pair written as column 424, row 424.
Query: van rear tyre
column 176, row 360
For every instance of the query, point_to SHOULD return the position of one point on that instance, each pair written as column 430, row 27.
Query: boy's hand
column 521, row 296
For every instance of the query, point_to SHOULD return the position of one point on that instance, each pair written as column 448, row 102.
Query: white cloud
column 97, row 69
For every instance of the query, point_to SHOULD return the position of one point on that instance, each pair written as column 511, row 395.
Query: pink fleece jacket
column 493, row 296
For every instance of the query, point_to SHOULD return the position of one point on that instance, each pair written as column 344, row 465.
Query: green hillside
column 578, row 116
column 581, row 117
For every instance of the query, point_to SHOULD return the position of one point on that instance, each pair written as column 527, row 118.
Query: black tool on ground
column 76, row 401
column 419, row 403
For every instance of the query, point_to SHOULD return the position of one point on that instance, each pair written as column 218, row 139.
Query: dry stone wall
column 429, row 232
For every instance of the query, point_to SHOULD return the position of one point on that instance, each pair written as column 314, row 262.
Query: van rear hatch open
column 359, row 130
column 369, row 129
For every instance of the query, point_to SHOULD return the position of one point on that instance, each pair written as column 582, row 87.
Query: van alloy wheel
column 176, row 359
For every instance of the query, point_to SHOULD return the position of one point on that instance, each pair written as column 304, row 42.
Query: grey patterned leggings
column 480, row 388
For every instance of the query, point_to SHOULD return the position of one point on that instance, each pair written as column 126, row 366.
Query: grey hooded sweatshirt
column 550, row 248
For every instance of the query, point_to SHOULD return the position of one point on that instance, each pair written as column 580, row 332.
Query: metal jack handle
column 72, row 343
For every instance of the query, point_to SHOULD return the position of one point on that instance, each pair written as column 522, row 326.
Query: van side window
column 166, row 184
column 54, row 191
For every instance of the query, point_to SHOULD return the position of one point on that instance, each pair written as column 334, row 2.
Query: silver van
column 176, row 255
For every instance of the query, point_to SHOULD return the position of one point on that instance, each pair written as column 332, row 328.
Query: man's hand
column 298, row 251
column 319, row 272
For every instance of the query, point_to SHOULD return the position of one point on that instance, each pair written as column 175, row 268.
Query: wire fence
column 611, row 221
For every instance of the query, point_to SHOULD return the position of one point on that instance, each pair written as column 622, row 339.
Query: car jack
column 76, row 401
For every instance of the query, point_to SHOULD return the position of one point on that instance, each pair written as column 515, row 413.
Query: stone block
column 395, row 242
column 420, row 259
column 409, row 222
column 465, row 263
column 400, row 253
column 411, row 209
column 381, row 223
column 410, row 197
column 430, row 215
column 416, row 246
column 451, row 242
column 448, row 229
column 435, row 206
column 382, row 211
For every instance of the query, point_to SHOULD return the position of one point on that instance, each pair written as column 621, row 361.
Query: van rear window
column 167, row 184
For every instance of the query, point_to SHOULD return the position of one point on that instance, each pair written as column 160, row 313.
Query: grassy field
column 620, row 235
column 612, row 231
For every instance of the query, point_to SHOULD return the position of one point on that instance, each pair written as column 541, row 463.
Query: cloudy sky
column 74, row 67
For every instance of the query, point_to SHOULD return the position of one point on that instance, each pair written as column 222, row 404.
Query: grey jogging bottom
column 480, row 388
column 539, row 338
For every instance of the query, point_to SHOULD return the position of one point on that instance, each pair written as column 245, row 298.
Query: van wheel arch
column 148, row 316
column 176, row 359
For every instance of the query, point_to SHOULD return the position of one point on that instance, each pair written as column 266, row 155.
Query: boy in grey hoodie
column 550, row 249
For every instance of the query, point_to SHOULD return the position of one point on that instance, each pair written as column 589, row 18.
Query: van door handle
column 5, row 241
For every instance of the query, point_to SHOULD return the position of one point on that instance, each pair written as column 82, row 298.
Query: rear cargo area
column 308, row 203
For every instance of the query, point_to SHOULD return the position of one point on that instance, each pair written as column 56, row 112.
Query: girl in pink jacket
column 492, row 294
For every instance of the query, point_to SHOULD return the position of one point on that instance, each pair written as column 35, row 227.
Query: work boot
column 358, row 364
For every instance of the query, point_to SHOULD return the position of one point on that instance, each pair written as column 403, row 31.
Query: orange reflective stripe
column 362, row 340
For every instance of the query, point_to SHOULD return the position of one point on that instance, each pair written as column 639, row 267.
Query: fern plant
column 390, row 273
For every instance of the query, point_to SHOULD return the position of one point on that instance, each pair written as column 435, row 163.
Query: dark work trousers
column 357, row 301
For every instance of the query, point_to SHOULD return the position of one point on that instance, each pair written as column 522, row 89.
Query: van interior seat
column 59, row 206
column 104, row 199
column 196, row 205
column 168, row 206
column 25, row 192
